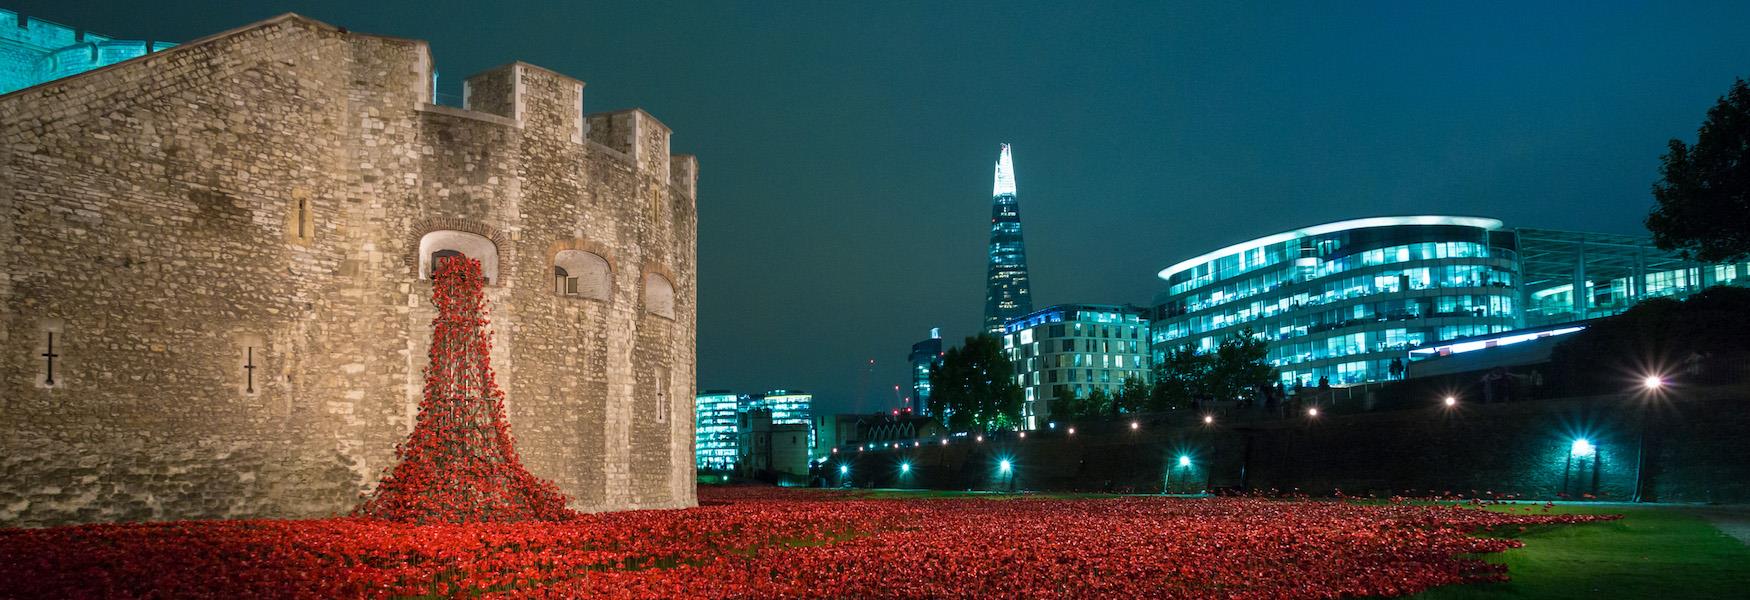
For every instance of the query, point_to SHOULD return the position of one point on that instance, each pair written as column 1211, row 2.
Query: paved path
column 1734, row 520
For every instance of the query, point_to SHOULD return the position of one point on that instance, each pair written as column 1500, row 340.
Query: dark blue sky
column 846, row 148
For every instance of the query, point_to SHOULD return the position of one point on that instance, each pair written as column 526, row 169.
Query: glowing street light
column 1208, row 419
column 1582, row 447
column 1451, row 401
column 1004, row 466
column 1184, row 461
column 1072, row 431
column 1653, row 383
column 1312, row 412
column 904, row 468
column 944, row 441
column 980, row 439
column 844, row 469
column 1023, row 435
column 1134, row 425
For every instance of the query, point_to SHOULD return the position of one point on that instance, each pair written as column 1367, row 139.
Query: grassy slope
column 1650, row 553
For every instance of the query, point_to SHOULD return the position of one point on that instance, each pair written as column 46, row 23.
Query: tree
column 1240, row 370
column 975, row 386
column 1132, row 397
column 1182, row 375
column 1097, row 404
column 1235, row 369
column 1703, row 193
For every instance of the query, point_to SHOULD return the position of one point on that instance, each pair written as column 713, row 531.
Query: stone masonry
column 228, row 245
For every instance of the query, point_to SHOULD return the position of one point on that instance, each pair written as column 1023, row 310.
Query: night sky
column 846, row 148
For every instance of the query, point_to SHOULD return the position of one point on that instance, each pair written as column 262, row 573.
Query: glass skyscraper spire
column 1007, row 295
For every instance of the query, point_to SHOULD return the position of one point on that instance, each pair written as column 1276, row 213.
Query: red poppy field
column 773, row 543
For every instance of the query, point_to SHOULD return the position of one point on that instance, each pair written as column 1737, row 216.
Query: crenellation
column 272, row 187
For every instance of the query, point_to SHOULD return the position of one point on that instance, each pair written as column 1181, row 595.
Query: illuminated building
column 924, row 355
column 1342, row 301
column 714, row 433
column 1070, row 350
column 1007, row 294
column 34, row 51
column 1615, row 272
column 788, row 407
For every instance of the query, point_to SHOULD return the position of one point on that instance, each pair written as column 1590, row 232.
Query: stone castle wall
column 225, row 241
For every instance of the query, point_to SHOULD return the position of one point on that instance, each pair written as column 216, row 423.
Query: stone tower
column 216, row 291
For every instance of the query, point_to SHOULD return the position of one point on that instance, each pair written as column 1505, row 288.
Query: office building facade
column 1341, row 301
column 714, row 429
column 1070, row 350
column 925, row 355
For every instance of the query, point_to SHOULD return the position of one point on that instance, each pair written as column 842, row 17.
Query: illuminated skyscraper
column 1007, row 295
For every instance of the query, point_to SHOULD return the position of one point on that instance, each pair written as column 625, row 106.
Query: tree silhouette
column 1703, row 193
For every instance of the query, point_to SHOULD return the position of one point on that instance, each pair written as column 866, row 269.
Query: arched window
column 582, row 274
column 437, row 260
column 448, row 242
column 658, row 296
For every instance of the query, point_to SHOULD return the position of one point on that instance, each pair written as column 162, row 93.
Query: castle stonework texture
column 216, row 278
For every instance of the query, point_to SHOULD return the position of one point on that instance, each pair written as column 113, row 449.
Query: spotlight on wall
column 1582, row 447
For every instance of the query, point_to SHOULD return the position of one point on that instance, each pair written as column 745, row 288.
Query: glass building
column 34, row 51
column 788, row 407
column 714, row 433
column 1343, row 300
column 1007, row 293
column 924, row 355
column 1613, row 271
column 1070, row 350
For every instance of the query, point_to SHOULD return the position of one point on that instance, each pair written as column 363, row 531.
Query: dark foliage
column 1703, row 194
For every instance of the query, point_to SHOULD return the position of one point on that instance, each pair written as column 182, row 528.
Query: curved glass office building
column 1342, row 300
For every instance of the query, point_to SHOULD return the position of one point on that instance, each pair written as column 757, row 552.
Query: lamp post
column 1651, row 386
column 1007, row 469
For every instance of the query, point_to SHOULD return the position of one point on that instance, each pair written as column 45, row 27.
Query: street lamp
column 1208, row 419
column 1312, row 412
column 1653, row 385
column 1184, row 461
column 1006, row 468
column 1072, row 431
column 904, row 468
column 1134, row 425
column 1451, row 401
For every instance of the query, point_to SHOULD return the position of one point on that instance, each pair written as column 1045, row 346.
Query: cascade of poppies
column 459, row 465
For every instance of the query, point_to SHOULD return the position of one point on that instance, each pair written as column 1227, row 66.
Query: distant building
column 714, row 432
column 1070, row 350
column 1343, row 301
column 788, row 407
column 765, row 447
column 1613, row 271
column 836, row 431
column 1007, row 292
column 34, row 51
column 924, row 356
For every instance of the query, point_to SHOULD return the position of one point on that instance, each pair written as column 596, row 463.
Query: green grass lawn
column 1660, row 553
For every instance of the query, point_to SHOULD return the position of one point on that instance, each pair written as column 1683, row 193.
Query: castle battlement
column 33, row 51
column 274, row 196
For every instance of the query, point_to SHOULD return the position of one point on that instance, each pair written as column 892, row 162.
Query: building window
column 582, row 274
column 658, row 296
column 448, row 242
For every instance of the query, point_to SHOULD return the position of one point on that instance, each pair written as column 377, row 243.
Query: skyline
column 1303, row 115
